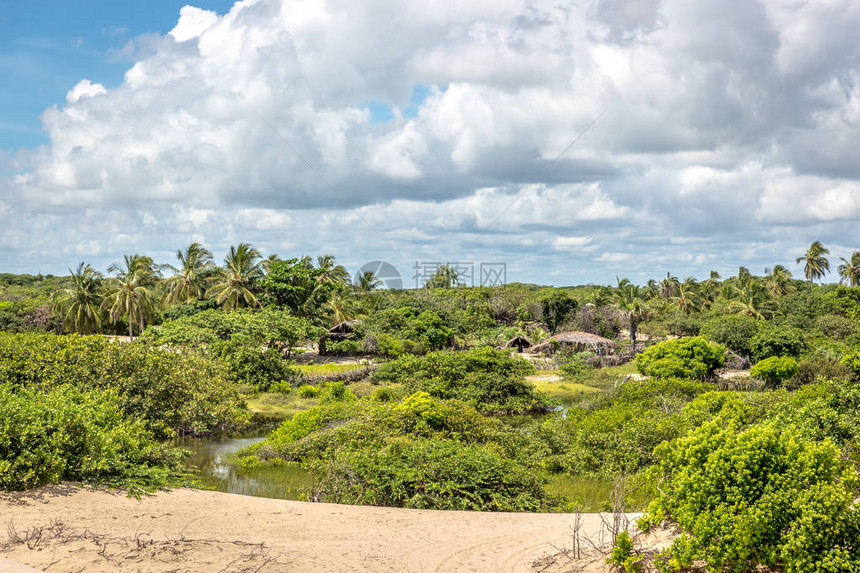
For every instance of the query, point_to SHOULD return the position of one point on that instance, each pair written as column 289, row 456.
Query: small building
column 519, row 342
column 342, row 330
column 578, row 342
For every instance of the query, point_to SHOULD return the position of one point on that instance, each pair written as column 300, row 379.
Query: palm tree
column 668, row 287
column 849, row 271
column 446, row 276
column 129, row 293
column 815, row 264
column 267, row 262
column 633, row 308
column 81, row 302
column 340, row 308
column 194, row 274
column 686, row 301
column 332, row 273
column 243, row 266
column 778, row 280
column 751, row 298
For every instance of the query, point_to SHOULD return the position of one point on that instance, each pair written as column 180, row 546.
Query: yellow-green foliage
column 762, row 496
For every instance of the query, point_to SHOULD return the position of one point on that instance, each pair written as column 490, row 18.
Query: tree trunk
column 633, row 335
column 130, row 323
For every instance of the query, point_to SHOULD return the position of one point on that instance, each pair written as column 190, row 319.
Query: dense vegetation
column 757, row 465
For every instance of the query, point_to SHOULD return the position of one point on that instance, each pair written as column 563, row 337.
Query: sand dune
column 66, row 528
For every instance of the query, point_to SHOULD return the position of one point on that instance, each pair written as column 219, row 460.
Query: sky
column 571, row 142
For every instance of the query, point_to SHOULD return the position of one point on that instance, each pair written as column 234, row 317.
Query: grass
column 594, row 494
column 275, row 405
column 605, row 378
column 331, row 368
column 566, row 391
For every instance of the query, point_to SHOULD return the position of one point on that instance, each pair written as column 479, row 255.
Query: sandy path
column 192, row 530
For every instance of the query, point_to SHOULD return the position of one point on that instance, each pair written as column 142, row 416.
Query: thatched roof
column 574, row 338
column 344, row 327
column 584, row 338
column 519, row 341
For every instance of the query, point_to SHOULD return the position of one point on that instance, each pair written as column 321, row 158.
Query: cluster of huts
column 573, row 340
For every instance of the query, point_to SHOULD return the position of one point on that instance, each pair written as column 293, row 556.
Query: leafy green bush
column 812, row 368
column 622, row 555
column 774, row 370
column 435, row 474
column 733, row 331
column 261, row 368
column 68, row 434
column 308, row 391
column 837, row 327
column 692, row 357
column 395, row 331
column 571, row 363
column 172, row 391
column 852, row 361
column 774, row 340
column 489, row 380
column 761, row 496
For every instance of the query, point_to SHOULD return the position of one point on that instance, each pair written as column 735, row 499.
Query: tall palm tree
column 778, row 280
column 193, row 276
column 332, row 273
column 267, row 262
column 234, row 289
column 130, row 291
column 668, row 287
column 815, row 264
column 631, row 306
column 849, row 271
column 80, row 303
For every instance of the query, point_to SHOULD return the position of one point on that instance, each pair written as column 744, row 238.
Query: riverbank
column 67, row 528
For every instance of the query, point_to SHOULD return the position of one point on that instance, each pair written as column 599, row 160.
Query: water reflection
column 215, row 465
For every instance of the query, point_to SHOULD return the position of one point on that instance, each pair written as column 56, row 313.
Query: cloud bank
column 727, row 134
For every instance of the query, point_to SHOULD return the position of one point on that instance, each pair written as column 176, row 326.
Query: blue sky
column 47, row 46
column 608, row 138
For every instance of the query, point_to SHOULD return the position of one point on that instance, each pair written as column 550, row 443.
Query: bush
column 760, row 497
column 774, row 370
column 734, row 332
column 852, row 361
column 813, row 368
column 487, row 379
column 68, row 434
column 837, row 327
column 692, row 357
column 572, row 364
column 172, row 391
column 262, row 369
column 308, row 391
column 774, row 340
column 435, row 474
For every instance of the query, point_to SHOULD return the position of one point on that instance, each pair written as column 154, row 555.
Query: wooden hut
column 578, row 342
column 519, row 342
column 342, row 330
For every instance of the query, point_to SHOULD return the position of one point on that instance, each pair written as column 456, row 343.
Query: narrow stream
column 215, row 465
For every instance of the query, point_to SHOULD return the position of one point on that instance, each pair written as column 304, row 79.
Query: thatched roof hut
column 342, row 330
column 519, row 342
column 578, row 341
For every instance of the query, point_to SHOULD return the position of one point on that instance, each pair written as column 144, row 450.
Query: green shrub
column 774, row 340
column 692, row 357
column 774, row 370
column 572, row 364
column 759, row 497
column 622, row 555
column 308, row 391
column 335, row 392
column 172, row 391
column 434, row 474
column 489, row 380
column 733, row 331
column 68, row 434
column 837, row 327
column 260, row 368
column 813, row 368
column 852, row 361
